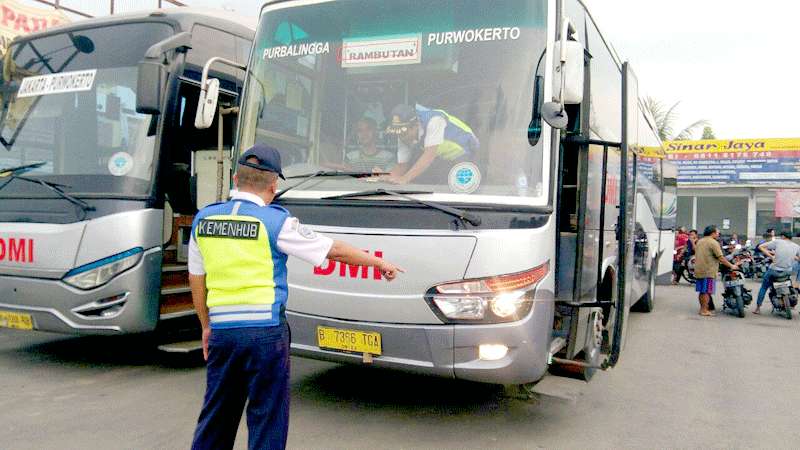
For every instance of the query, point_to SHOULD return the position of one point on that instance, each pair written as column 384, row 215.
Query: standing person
column 681, row 239
column 439, row 139
column 708, row 257
column 237, row 266
column 691, row 243
column 768, row 236
column 784, row 254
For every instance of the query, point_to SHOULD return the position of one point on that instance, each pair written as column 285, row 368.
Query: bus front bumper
column 129, row 301
column 441, row 350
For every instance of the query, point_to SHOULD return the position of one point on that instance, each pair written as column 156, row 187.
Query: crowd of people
column 709, row 253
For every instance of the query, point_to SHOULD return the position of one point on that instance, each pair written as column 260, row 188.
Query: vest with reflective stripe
column 459, row 139
column 245, row 271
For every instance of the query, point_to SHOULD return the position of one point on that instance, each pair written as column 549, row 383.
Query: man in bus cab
column 441, row 140
column 237, row 272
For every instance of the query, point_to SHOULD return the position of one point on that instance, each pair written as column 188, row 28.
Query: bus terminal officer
column 237, row 273
column 443, row 139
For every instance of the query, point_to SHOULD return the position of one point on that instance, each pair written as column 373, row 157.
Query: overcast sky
column 732, row 62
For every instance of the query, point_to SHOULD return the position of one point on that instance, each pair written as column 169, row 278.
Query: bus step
column 562, row 388
column 182, row 347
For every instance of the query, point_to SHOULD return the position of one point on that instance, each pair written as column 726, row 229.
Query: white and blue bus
column 524, row 252
column 98, row 151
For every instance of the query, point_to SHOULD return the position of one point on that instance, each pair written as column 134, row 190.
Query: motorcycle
column 761, row 264
column 783, row 295
column 688, row 270
column 736, row 296
column 746, row 263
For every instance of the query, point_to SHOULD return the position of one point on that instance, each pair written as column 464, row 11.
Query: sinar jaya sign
column 736, row 161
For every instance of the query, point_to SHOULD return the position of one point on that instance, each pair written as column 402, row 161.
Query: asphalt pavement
column 683, row 381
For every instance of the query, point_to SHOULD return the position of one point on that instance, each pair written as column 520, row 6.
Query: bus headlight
column 98, row 273
column 497, row 299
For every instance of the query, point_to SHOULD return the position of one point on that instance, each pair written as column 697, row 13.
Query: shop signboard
column 17, row 18
column 787, row 203
column 736, row 162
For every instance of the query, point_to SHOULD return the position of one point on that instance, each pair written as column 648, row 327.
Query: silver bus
column 97, row 157
column 526, row 246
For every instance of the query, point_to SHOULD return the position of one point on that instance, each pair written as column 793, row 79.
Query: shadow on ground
column 99, row 352
column 403, row 393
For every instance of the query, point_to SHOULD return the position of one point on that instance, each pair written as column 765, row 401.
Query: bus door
column 627, row 210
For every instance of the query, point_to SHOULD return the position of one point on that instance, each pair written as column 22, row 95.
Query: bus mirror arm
column 209, row 93
column 153, row 73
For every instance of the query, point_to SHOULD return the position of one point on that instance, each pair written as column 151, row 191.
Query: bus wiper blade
column 460, row 213
column 55, row 187
column 371, row 193
column 18, row 169
column 337, row 173
column 327, row 173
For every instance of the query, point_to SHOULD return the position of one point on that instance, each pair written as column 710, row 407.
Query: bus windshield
column 69, row 100
column 438, row 94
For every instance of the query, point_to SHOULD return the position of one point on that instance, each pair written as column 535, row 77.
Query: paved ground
column 684, row 381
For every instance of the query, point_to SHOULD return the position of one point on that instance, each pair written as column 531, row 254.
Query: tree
column 665, row 121
column 708, row 133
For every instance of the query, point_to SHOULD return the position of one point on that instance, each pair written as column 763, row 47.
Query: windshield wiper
column 55, row 187
column 372, row 192
column 327, row 173
column 460, row 213
column 18, row 169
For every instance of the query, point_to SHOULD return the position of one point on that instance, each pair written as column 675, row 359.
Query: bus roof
column 183, row 17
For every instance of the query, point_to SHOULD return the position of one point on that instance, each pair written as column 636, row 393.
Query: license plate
column 349, row 340
column 780, row 284
column 15, row 320
column 733, row 283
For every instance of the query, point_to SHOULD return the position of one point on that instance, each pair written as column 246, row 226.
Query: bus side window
column 185, row 139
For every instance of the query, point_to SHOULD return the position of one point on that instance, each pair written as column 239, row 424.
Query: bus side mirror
column 207, row 104
column 153, row 73
column 568, row 71
column 571, row 73
column 149, row 86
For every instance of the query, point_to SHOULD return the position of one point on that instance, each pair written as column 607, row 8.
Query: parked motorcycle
column 688, row 270
column 736, row 296
column 782, row 295
column 761, row 264
column 746, row 263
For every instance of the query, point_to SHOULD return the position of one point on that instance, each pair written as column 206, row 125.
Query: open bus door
column 627, row 212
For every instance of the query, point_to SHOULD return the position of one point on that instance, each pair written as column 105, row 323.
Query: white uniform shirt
column 294, row 239
column 434, row 136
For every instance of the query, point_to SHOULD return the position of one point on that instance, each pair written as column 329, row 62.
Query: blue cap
column 268, row 159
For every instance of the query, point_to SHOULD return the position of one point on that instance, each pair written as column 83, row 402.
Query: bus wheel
column 592, row 353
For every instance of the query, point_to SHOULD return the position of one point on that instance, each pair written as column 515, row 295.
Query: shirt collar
column 247, row 196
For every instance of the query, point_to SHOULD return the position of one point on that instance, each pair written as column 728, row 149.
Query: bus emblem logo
column 464, row 178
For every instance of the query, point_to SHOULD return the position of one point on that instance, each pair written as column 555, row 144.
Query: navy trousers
column 246, row 364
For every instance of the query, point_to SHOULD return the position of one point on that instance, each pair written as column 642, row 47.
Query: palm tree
column 665, row 121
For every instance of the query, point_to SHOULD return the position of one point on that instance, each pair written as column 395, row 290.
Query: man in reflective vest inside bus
column 237, row 272
column 444, row 140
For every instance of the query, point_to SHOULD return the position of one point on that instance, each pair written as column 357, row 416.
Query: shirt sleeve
column 434, row 132
column 717, row 250
column 298, row 240
column 196, row 266
column 403, row 152
column 771, row 245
